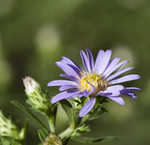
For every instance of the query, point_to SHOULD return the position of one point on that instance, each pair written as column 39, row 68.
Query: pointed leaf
column 88, row 140
column 29, row 113
column 68, row 109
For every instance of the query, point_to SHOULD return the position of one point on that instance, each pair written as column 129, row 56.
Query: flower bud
column 30, row 85
column 52, row 139
column 36, row 98
column 8, row 129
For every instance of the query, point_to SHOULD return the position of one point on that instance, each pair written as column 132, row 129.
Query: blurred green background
column 35, row 33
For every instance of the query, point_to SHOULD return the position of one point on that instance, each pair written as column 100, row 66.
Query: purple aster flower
column 99, row 78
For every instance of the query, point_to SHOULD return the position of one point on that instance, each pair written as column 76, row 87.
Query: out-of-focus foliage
column 35, row 33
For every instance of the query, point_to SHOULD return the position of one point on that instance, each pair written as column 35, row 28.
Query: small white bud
column 36, row 97
column 30, row 85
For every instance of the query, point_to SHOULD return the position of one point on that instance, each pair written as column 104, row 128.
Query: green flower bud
column 36, row 98
column 8, row 129
column 52, row 139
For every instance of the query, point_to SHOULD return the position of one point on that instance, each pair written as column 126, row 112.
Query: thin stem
column 51, row 123
column 67, row 132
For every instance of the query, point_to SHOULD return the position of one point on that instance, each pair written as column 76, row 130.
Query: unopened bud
column 8, row 129
column 30, row 85
column 52, row 139
column 36, row 97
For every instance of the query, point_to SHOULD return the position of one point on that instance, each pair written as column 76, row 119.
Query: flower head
column 99, row 78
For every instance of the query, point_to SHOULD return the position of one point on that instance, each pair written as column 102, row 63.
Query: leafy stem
column 51, row 123
column 67, row 132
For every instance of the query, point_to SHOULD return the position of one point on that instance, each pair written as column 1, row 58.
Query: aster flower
column 95, row 79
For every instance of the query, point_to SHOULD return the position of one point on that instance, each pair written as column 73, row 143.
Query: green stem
column 51, row 123
column 67, row 132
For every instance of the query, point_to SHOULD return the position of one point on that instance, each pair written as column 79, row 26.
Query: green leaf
column 68, row 109
column 88, row 140
column 30, row 114
column 42, row 135
column 51, row 115
column 4, row 142
column 23, row 131
column 8, row 141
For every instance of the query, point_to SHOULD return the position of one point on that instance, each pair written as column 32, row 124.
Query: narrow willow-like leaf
column 29, row 113
column 88, row 140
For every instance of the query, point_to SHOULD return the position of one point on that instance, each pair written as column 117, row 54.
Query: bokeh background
column 35, row 33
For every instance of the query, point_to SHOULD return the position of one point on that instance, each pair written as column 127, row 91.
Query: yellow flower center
column 96, row 80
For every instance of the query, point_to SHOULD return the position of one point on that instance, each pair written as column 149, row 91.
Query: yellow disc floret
column 89, row 79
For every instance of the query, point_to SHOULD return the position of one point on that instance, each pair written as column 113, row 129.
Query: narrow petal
column 77, row 70
column 129, row 91
column 114, row 90
column 133, row 88
column 118, row 99
column 69, row 61
column 69, row 77
column 60, row 96
column 112, row 64
column 63, row 95
column 119, row 73
column 115, row 67
column 126, row 78
column 62, row 88
column 82, row 94
column 91, row 59
column 87, row 107
column 99, row 61
column 73, row 90
column 103, row 94
column 85, row 61
column 85, row 93
column 61, row 83
column 132, row 95
column 105, row 61
column 66, row 68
